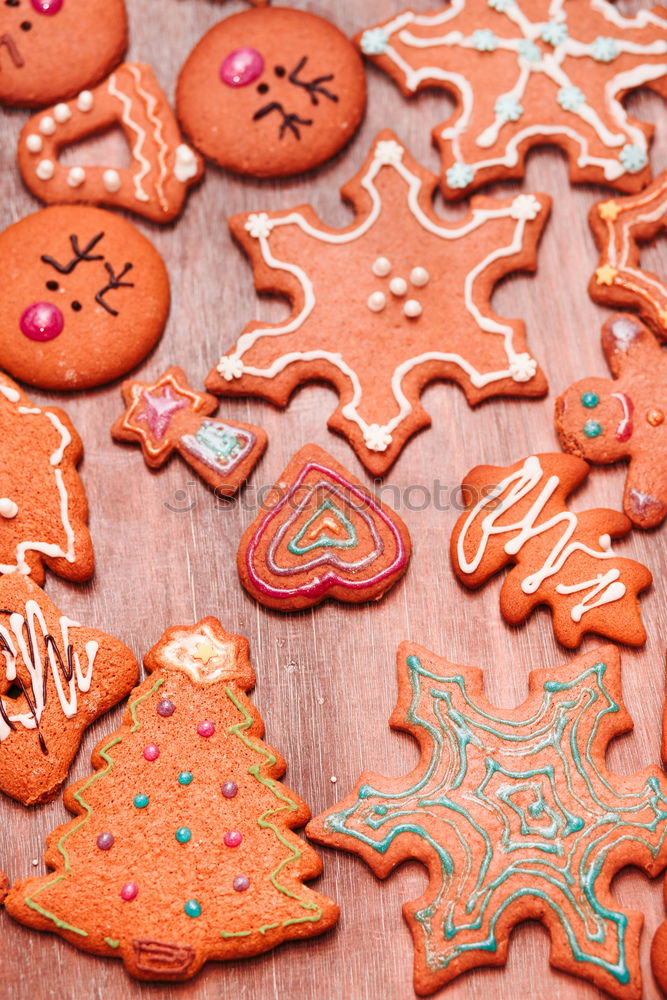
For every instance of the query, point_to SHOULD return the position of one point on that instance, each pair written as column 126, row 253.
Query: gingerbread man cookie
column 603, row 420
column 526, row 73
column 515, row 816
column 51, row 49
column 519, row 515
column 162, row 166
column 84, row 298
column 167, row 415
column 43, row 505
column 271, row 92
column 619, row 226
column 395, row 300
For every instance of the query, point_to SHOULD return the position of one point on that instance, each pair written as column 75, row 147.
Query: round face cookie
column 83, row 297
column 38, row 37
column 271, row 92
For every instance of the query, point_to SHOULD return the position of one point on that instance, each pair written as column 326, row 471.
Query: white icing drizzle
column 137, row 149
column 518, row 485
column 151, row 103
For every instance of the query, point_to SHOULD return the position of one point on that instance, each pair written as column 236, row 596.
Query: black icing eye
column 263, row 88
column 76, row 306
column 25, row 26
column 52, row 286
column 12, row 3
column 279, row 70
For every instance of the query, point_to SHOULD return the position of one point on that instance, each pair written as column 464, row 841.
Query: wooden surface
column 326, row 678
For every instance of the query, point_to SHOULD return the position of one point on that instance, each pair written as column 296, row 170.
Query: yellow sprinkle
column 605, row 275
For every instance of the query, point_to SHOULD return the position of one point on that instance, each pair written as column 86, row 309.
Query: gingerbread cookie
column 182, row 848
column 58, row 678
column 167, row 415
column 321, row 534
column 519, row 515
column 271, row 92
column 51, row 49
column 397, row 299
column 526, row 74
column 162, row 167
column 43, row 505
column 604, row 420
column 515, row 816
column 85, row 297
column 619, row 226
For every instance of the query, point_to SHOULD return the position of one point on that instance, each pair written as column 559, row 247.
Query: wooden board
column 326, row 678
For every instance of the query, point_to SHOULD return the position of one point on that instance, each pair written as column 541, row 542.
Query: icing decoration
column 629, row 425
column 241, row 883
column 162, row 166
column 8, row 509
column 206, row 728
column 183, row 835
column 230, row 789
column 167, row 415
column 165, row 708
column 7, row 42
column 47, row 6
column 231, row 922
column 42, row 321
column 105, row 841
column 592, row 428
column 515, row 816
column 151, row 752
column 241, row 67
column 321, row 534
column 620, row 225
column 563, row 560
column 538, row 74
column 379, row 376
column 232, row 838
column 185, row 778
column 129, row 892
column 141, row 801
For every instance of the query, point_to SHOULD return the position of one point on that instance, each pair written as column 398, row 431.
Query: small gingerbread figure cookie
column 162, row 166
column 167, row 415
column 52, row 49
column 43, row 505
column 605, row 420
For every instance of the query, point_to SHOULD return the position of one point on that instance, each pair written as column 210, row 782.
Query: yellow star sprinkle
column 605, row 275
column 609, row 210
column 205, row 652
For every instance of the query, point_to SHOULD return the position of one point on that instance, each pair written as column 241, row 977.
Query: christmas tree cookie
column 515, row 816
column 181, row 849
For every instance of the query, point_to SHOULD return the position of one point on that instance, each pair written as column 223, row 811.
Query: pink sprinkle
column 47, row 6
column 41, row 321
column 129, row 891
column 233, row 838
column 151, row 752
column 206, row 728
column 241, row 67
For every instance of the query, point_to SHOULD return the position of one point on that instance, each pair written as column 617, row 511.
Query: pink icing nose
column 47, row 6
column 42, row 321
column 241, row 67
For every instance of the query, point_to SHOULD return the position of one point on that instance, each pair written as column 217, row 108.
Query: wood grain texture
column 326, row 678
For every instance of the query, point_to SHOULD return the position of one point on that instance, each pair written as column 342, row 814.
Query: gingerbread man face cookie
column 84, row 297
column 39, row 37
column 604, row 420
column 271, row 92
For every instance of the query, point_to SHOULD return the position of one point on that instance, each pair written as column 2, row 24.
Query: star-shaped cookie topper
column 619, row 226
column 515, row 816
column 168, row 415
column 604, row 420
column 395, row 300
column 524, row 74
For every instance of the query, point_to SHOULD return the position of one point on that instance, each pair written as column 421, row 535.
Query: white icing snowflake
column 230, row 367
column 525, row 206
column 259, row 225
column 523, row 367
column 377, row 438
column 389, row 152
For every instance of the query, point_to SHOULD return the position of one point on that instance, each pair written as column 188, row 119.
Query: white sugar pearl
column 419, row 276
column 45, row 170
column 111, row 180
column 376, row 302
column 62, row 113
column 398, row 286
column 84, row 101
column 76, row 177
column 412, row 308
column 47, row 126
column 8, row 508
column 381, row 267
column 34, row 143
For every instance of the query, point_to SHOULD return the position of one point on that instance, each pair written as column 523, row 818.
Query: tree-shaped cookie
column 519, row 515
column 515, row 816
column 43, row 506
column 605, row 420
column 182, row 848
column 620, row 225
column 526, row 73
column 58, row 677
column 395, row 300
column 167, row 415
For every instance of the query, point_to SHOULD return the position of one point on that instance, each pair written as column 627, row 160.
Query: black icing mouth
column 290, row 122
column 7, row 42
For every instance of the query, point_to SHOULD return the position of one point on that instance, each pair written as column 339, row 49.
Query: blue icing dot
column 571, row 98
column 484, row 40
column 590, row 400
column 633, row 159
column 508, row 108
column 460, row 175
column 529, row 50
column 553, row 33
column 501, row 5
column 374, row 42
column 381, row 810
column 592, row 429
column 604, row 49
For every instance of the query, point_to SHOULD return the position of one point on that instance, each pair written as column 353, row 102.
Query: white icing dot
column 376, row 302
column 8, row 508
column 47, row 126
column 62, row 113
column 45, row 170
column 111, row 180
column 34, row 143
column 381, row 267
column 412, row 308
column 398, row 286
column 419, row 276
column 76, row 177
column 84, row 101
column 185, row 164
